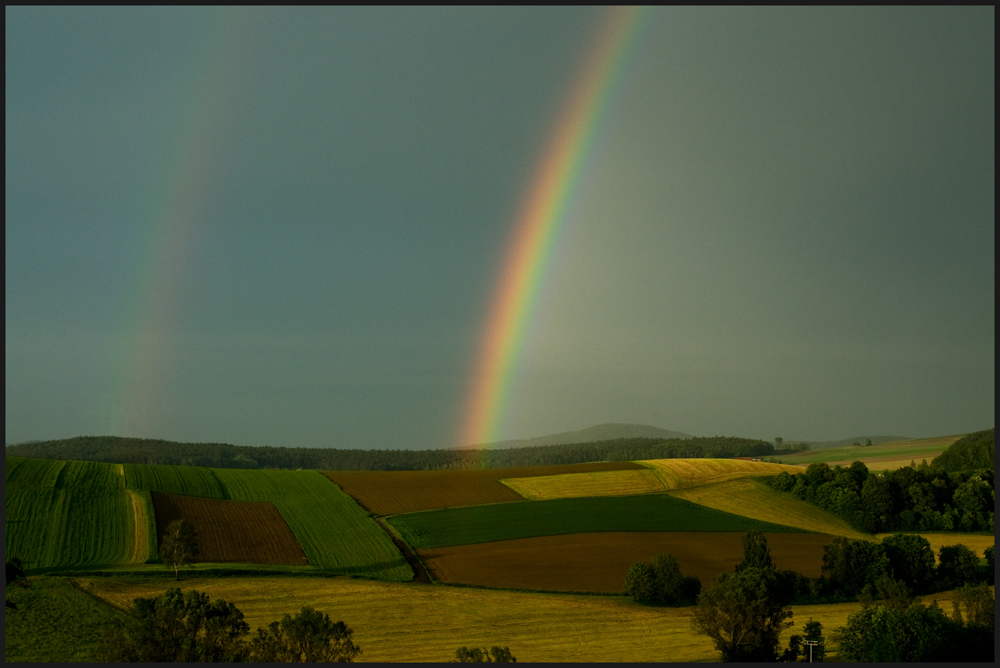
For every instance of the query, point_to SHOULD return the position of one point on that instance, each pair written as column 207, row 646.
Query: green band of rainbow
column 542, row 216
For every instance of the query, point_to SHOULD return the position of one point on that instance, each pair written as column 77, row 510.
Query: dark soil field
column 597, row 562
column 394, row 492
column 232, row 531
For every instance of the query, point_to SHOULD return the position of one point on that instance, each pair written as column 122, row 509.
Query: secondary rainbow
column 542, row 216
column 170, row 226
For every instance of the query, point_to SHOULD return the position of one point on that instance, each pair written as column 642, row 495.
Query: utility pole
column 811, row 643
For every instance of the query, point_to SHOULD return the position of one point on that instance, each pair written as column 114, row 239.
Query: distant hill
column 601, row 432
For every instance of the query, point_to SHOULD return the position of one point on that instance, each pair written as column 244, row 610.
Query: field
column 506, row 521
column 188, row 480
column 754, row 499
column 597, row 562
column 687, row 473
column 882, row 457
column 395, row 492
column 658, row 475
column 62, row 514
column 397, row 622
column 53, row 622
column 78, row 514
column 232, row 531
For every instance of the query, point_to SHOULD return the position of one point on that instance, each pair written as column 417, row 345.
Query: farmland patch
column 506, row 521
column 394, row 492
column 687, row 473
column 597, row 562
column 599, row 483
column 396, row 622
column 232, row 531
column 66, row 514
column 335, row 533
column 188, row 480
column 753, row 499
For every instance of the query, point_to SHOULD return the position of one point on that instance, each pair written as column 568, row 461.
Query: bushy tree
column 661, row 583
column 743, row 614
column 911, row 559
column 989, row 564
column 957, row 565
column 476, row 655
column 178, row 546
column 756, row 553
column 880, row 634
column 177, row 627
column 978, row 604
column 851, row 564
column 310, row 637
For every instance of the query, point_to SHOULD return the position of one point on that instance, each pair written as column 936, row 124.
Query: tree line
column 744, row 612
column 911, row 498
column 119, row 450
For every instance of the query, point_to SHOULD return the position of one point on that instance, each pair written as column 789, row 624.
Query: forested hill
column 119, row 450
column 974, row 451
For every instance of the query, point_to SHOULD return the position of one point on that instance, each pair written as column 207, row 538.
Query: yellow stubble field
column 395, row 622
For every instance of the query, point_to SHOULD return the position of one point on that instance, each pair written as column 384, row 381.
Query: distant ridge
column 601, row 432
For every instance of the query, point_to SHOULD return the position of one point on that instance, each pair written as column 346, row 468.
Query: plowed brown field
column 240, row 532
column 597, row 562
column 394, row 492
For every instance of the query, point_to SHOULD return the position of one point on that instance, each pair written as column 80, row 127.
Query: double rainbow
column 542, row 217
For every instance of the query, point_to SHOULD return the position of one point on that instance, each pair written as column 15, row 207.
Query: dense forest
column 971, row 452
column 119, row 450
column 922, row 498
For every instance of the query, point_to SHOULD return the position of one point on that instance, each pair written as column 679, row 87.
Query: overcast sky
column 286, row 226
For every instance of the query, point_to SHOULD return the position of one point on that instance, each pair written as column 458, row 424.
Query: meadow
column 506, row 521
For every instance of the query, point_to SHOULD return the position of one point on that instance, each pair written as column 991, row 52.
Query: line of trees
column 911, row 498
column 117, row 450
column 745, row 612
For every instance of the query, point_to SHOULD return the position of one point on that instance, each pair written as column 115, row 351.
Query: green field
column 187, row 480
column 53, row 621
column 335, row 532
column 891, row 455
column 506, row 521
column 61, row 514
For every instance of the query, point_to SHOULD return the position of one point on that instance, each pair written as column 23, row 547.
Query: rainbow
column 170, row 226
column 543, row 214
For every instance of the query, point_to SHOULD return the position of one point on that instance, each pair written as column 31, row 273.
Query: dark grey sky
column 285, row 226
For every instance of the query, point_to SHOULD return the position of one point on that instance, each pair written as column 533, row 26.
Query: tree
column 476, row 655
column 814, row 632
column 878, row 633
column 911, row 559
column 308, row 637
column 989, row 563
column 756, row 553
column 178, row 546
column 639, row 583
column 978, row 603
column 661, row 583
column 176, row 627
column 744, row 614
column 957, row 565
